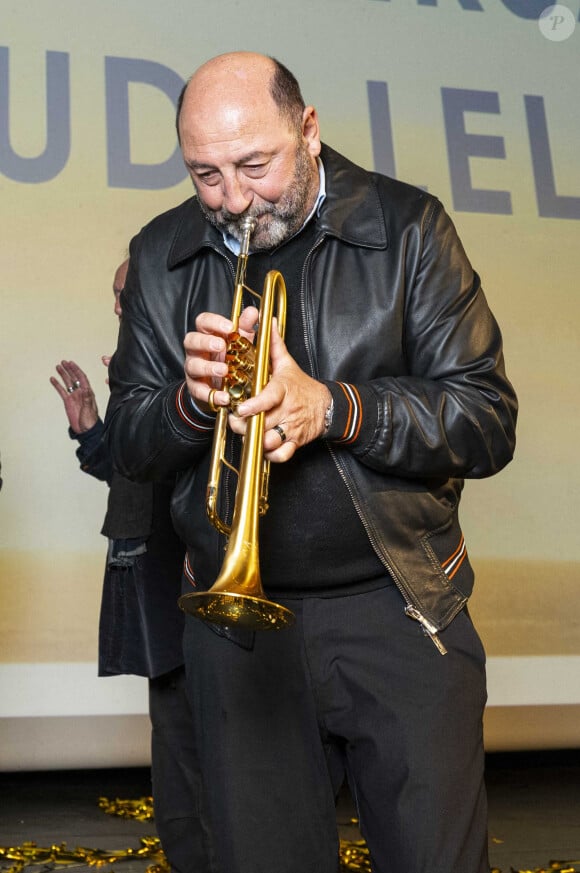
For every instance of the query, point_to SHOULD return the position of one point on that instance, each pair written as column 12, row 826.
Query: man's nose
column 237, row 196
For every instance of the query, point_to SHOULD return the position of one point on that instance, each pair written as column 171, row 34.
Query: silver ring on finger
column 280, row 431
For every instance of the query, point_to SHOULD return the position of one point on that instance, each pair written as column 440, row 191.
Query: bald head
column 239, row 74
column 121, row 275
column 119, row 280
column 250, row 145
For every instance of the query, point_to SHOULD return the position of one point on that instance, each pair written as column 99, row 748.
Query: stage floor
column 534, row 800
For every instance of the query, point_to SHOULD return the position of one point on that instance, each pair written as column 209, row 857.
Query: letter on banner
column 381, row 129
column 530, row 9
column 473, row 5
column 49, row 164
column 462, row 145
column 122, row 172
column 550, row 204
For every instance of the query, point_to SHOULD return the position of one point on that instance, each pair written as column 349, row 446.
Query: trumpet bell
column 230, row 609
column 237, row 599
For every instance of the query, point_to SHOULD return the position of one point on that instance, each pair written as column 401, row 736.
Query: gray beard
column 282, row 219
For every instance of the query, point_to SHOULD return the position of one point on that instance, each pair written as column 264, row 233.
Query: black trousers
column 180, row 817
column 354, row 680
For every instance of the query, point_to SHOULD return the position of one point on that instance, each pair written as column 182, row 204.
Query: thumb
column 278, row 348
column 248, row 320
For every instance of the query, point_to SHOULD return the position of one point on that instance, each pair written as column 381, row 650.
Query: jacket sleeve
column 151, row 428
column 452, row 413
column 92, row 453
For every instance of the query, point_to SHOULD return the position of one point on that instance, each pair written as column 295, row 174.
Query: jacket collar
column 350, row 212
column 193, row 233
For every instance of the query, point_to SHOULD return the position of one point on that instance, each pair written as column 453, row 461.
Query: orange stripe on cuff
column 456, row 552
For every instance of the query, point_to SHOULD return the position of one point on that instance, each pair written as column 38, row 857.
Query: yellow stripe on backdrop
column 471, row 98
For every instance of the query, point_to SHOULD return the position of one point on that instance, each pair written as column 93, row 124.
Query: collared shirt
column 234, row 244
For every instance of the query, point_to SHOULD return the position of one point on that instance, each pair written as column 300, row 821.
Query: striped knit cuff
column 354, row 420
column 186, row 412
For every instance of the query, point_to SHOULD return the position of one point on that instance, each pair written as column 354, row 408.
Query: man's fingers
column 78, row 374
column 56, row 384
column 211, row 323
column 204, row 345
column 206, row 371
column 281, row 453
column 63, row 372
column 248, row 320
column 269, row 398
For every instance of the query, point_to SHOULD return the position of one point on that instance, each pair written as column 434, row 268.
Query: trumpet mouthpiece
column 249, row 224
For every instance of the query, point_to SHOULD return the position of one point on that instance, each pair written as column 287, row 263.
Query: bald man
column 388, row 390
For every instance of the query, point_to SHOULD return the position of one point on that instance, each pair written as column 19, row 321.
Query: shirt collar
column 233, row 244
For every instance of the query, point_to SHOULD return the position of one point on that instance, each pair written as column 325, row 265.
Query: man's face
column 278, row 220
column 247, row 161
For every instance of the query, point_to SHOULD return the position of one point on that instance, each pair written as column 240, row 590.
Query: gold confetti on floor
column 19, row 858
column 354, row 854
column 139, row 810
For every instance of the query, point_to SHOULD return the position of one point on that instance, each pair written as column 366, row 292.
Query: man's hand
column 77, row 395
column 294, row 405
column 205, row 350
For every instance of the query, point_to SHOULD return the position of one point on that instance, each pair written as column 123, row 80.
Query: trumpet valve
column 238, row 346
column 240, row 358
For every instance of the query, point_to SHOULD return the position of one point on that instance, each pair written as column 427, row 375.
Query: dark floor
column 534, row 811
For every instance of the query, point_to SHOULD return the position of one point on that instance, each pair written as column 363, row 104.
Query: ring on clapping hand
column 70, row 388
column 76, row 384
column 210, row 402
column 280, row 431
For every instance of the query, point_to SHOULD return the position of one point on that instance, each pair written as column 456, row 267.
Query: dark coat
column 140, row 625
column 391, row 303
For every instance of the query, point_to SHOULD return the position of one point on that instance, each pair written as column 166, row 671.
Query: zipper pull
column 428, row 628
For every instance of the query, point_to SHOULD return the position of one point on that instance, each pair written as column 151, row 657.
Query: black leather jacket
column 390, row 302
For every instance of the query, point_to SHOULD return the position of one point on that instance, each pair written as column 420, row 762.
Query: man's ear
column 311, row 130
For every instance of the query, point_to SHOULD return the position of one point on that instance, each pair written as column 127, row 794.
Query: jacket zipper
column 429, row 629
column 411, row 611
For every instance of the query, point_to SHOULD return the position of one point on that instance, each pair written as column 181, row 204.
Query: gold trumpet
column 237, row 597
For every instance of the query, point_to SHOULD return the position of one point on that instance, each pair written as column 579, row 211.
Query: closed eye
column 210, row 177
column 256, row 171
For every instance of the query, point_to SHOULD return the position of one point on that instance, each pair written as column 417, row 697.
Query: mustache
column 232, row 218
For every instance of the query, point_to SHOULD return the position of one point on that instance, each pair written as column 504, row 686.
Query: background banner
column 476, row 100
